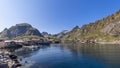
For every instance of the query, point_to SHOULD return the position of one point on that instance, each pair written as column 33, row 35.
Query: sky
column 54, row 16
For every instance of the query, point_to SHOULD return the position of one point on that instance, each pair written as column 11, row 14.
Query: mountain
column 106, row 29
column 45, row 34
column 62, row 34
column 23, row 29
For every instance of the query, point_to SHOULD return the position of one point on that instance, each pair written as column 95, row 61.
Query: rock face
column 22, row 29
column 106, row 29
column 112, row 29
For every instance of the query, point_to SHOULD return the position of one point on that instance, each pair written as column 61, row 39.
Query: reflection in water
column 71, row 56
column 27, row 52
column 107, row 54
column 24, row 53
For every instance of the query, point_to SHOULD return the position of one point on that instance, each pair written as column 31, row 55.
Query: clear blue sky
column 54, row 16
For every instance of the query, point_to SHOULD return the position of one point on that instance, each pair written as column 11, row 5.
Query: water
column 71, row 56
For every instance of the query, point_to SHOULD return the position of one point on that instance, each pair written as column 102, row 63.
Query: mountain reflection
column 109, row 54
column 70, row 56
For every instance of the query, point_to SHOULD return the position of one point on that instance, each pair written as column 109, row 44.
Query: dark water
column 71, row 56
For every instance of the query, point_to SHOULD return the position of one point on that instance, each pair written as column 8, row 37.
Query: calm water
column 71, row 56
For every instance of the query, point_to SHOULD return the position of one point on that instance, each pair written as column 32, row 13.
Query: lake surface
column 71, row 56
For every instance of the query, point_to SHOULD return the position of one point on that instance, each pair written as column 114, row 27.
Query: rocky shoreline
column 8, row 60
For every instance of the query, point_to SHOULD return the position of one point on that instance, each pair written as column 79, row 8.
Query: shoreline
column 115, row 42
column 108, row 42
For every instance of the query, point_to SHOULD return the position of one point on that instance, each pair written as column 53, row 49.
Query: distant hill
column 106, row 29
column 45, row 34
column 23, row 29
column 61, row 35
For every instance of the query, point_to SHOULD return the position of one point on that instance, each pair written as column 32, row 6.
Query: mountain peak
column 23, row 24
column 22, row 29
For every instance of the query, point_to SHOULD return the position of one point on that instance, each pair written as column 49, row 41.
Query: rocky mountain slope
column 22, row 29
column 106, row 29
